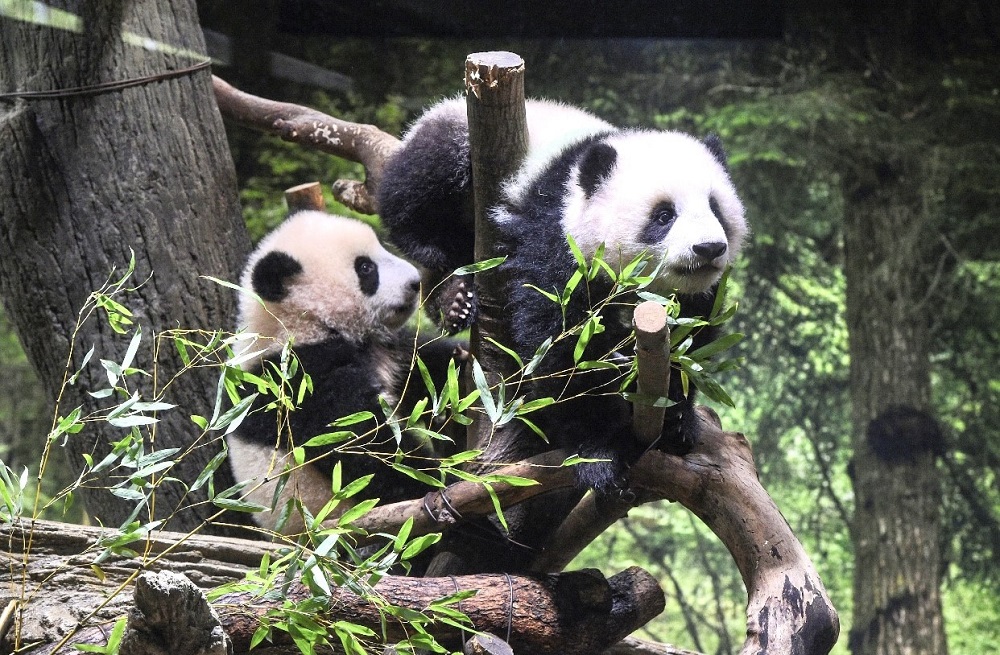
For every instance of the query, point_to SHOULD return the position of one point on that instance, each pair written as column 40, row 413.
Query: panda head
column 318, row 274
column 663, row 193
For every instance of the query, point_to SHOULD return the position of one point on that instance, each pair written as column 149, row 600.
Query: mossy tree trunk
column 896, row 528
column 91, row 176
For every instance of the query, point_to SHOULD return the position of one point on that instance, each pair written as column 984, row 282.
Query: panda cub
column 341, row 300
column 636, row 191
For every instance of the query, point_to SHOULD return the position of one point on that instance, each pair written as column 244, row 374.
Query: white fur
column 262, row 466
column 326, row 295
column 653, row 167
column 551, row 127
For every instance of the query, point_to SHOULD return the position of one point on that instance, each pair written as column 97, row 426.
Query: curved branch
column 358, row 142
column 788, row 609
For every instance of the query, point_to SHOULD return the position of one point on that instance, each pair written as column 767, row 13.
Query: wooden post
column 305, row 196
column 498, row 143
column 652, row 349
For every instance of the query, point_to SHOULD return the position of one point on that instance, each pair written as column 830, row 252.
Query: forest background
column 804, row 117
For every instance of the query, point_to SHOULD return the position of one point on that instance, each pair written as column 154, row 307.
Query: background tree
column 92, row 173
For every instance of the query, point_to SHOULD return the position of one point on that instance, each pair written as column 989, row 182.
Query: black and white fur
column 331, row 290
column 636, row 191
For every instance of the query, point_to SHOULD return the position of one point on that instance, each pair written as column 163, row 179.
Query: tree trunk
column 896, row 528
column 95, row 173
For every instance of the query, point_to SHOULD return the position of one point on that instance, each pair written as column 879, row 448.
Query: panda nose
column 415, row 285
column 710, row 249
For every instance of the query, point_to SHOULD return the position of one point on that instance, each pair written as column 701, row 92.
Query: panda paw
column 680, row 430
column 607, row 477
column 461, row 313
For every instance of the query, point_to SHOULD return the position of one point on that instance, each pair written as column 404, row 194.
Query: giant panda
column 663, row 193
column 328, row 288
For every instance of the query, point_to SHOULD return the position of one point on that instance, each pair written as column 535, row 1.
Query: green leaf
column 590, row 328
column 460, row 458
column 357, row 417
column 535, row 405
column 496, row 506
column 507, row 350
column 114, row 640
column 539, row 355
column 353, row 487
column 571, row 284
column 237, row 505
column 479, row 267
column 132, row 421
column 479, row 377
column 716, row 346
column 133, row 348
column 330, row 438
column 419, row 476
column 86, row 359
column 210, row 468
column 235, row 415
column 356, row 512
column 419, row 545
column 512, row 480
column 551, row 296
column 577, row 254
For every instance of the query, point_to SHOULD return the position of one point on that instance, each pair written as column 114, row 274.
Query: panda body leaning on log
column 636, row 191
column 331, row 290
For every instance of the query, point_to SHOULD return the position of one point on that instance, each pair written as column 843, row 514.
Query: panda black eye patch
column 661, row 219
column 367, row 271
column 713, row 204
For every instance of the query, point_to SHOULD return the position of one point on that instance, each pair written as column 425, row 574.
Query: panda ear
column 595, row 167
column 272, row 273
column 714, row 145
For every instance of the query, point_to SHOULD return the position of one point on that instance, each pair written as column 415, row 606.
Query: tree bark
column 896, row 529
column 93, row 175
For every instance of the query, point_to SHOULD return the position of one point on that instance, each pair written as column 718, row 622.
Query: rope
column 104, row 87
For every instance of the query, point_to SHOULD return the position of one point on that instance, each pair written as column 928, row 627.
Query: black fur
column 425, row 201
column 595, row 167
column 344, row 382
column 603, row 416
column 271, row 275
column 714, row 145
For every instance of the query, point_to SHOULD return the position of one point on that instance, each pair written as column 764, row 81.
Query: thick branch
column 463, row 500
column 788, row 609
column 354, row 141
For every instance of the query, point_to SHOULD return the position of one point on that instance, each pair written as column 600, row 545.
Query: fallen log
column 60, row 597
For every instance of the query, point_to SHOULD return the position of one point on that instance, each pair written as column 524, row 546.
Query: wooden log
column 63, row 599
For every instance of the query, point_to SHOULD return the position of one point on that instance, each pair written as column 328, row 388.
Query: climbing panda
column 636, row 191
column 328, row 288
